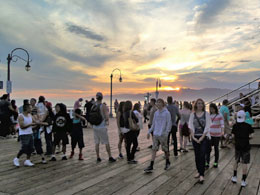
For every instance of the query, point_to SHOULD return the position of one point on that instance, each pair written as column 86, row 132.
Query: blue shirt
column 224, row 109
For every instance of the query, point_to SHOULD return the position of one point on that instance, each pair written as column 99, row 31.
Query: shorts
column 244, row 155
column 27, row 144
column 100, row 135
column 61, row 137
column 77, row 139
column 160, row 140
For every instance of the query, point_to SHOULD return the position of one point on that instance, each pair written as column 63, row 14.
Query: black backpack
column 95, row 117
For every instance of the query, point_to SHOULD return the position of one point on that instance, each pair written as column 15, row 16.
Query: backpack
column 95, row 117
column 132, row 124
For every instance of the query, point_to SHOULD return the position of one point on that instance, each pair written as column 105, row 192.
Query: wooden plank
column 253, row 179
column 236, row 188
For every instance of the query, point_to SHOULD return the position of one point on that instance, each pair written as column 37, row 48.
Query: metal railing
column 235, row 90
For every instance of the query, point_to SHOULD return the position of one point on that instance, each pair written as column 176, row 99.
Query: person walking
column 120, row 126
column 152, row 111
column 130, row 124
column 184, row 131
column 161, row 128
column 216, row 131
column 199, row 124
column 241, row 131
column 174, row 111
column 227, row 130
column 137, row 112
column 100, row 130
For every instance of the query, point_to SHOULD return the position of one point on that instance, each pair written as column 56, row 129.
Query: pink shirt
column 216, row 125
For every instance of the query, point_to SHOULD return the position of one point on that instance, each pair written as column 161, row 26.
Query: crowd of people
column 165, row 119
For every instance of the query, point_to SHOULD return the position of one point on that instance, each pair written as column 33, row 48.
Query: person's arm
column 207, row 127
column 152, row 127
column 226, row 118
column 222, row 124
column 79, row 116
column 191, row 127
column 21, row 123
column 105, row 112
column 168, row 123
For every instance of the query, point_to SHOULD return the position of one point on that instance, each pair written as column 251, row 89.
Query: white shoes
column 16, row 162
column 234, row 179
column 28, row 163
column 243, row 183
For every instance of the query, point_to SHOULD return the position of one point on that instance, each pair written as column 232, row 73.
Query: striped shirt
column 216, row 125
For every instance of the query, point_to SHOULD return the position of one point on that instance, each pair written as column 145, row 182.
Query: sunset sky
column 75, row 44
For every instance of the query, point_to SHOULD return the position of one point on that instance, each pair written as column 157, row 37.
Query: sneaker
column 81, row 157
column 111, row 159
column 132, row 162
column 215, row 165
column 16, row 162
column 206, row 166
column 150, row 146
column 99, row 160
column 234, row 179
column 149, row 169
column 71, row 154
column 44, row 161
column 121, row 156
column 28, row 163
column 243, row 183
column 53, row 158
column 167, row 166
column 185, row 151
column 64, row 158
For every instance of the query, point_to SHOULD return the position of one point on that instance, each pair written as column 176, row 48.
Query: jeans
column 215, row 143
column 131, row 138
column 200, row 151
column 48, row 140
column 37, row 142
column 174, row 137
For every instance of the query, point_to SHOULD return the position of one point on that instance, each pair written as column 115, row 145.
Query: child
column 241, row 131
column 77, row 133
column 161, row 127
column 61, row 128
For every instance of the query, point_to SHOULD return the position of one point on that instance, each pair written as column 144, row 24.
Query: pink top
column 216, row 125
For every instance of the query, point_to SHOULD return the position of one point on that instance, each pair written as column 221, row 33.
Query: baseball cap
column 241, row 116
column 99, row 94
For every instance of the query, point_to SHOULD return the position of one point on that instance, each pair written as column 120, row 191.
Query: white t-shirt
column 27, row 121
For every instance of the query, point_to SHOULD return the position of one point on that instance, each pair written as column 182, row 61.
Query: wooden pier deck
column 88, row 177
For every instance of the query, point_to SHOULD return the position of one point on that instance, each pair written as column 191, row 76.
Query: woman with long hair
column 199, row 124
column 120, row 126
column 216, row 131
column 183, row 126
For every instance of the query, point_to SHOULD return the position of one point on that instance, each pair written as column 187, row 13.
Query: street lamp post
column 14, row 58
column 158, row 85
column 111, row 86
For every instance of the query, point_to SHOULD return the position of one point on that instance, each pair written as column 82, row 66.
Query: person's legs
column 202, row 151
column 174, row 137
column 120, row 141
column 196, row 154
column 216, row 148
column 208, row 151
column 97, row 151
column 185, row 142
column 135, row 145
column 48, row 140
column 129, row 141
column 108, row 150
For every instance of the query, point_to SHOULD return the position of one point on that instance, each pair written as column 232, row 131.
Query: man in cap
column 241, row 132
column 100, row 131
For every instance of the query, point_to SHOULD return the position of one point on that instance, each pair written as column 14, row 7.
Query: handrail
column 247, row 96
column 233, row 91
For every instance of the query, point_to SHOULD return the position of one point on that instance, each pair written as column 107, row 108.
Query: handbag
column 132, row 124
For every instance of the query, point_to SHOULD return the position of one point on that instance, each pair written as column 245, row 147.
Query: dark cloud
column 244, row 61
column 207, row 13
column 90, row 60
column 86, row 32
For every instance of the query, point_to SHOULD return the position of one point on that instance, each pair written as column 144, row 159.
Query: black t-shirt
column 4, row 107
column 242, row 132
column 62, row 123
column 126, row 116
